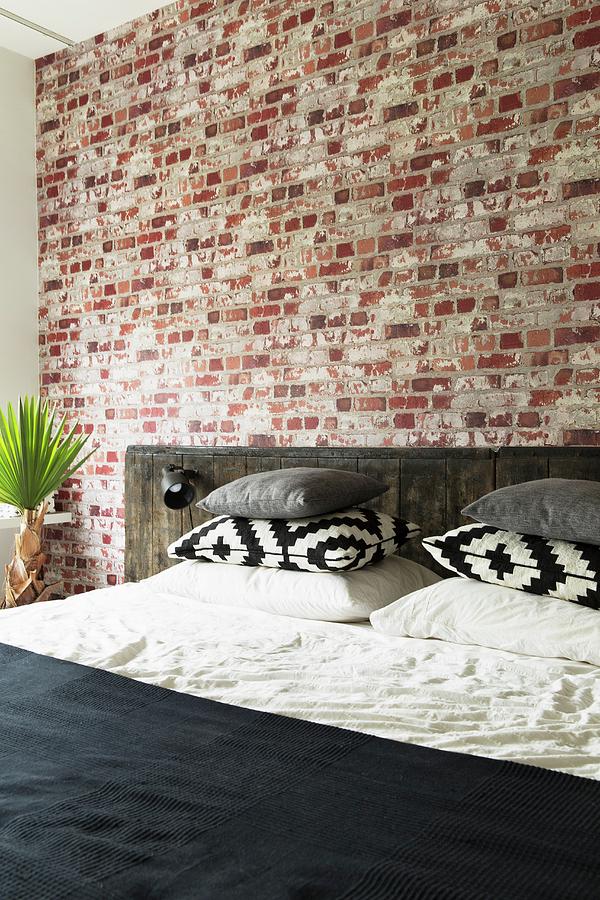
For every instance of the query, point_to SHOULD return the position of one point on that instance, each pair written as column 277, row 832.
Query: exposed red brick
column 588, row 334
column 424, row 48
column 429, row 160
column 441, row 81
column 528, row 420
column 570, row 86
column 259, row 247
column 431, row 384
column 395, row 241
column 582, row 436
column 589, row 290
column 507, row 280
column 290, row 233
column 511, row 341
column 498, row 224
column 527, row 179
column 581, row 188
column 401, row 111
column 510, row 101
column 474, row 188
column 507, row 41
column 410, row 329
column 257, row 51
column 544, row 397
column 497, row 125
column 403, row 201
column 588, row 38
column 391, row 23
column 541, row 30
column 584, row 16
column 498, row 361
column 465, row 73
column 445, row 41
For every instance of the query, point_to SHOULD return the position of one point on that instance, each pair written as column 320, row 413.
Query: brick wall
column 344, row 222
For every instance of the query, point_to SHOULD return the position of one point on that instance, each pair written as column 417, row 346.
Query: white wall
column 18, row 239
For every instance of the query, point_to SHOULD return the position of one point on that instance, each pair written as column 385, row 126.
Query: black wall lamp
column 178, row 489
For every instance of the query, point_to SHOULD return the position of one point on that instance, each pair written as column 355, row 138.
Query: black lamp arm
column 189, row 473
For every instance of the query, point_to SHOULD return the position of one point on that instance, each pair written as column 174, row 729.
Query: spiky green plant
column 36, row 456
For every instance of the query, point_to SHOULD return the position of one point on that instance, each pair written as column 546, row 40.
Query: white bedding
column 454, row 697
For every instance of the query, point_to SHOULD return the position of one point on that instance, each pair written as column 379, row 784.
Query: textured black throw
column 110, row 788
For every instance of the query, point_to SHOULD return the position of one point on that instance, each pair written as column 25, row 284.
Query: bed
column 251, row 755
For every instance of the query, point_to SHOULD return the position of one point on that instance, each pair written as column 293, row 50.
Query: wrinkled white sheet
column 453, row 697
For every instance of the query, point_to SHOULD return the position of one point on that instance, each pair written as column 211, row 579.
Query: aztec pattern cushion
column 569, row 571
column 332, row 542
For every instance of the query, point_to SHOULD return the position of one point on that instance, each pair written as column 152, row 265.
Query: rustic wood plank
column 293, row 462
column 388, row 472
column 255, row 464
column 516, row 469
column 138, row 516
column 167, row 524
column 423, row 500
column 466, row 481
column 229, row 468
column 573, row 466
column 423, row 493
column 204, row 484
column 374, row 452
column 344, row 465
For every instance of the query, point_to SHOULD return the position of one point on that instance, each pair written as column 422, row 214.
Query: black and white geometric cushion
column 537, row 565
column 335, row 542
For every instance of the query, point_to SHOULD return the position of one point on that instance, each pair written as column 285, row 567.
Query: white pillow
column 465, row 611
column 328, row 596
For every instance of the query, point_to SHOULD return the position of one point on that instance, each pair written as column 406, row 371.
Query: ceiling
column 73, row 20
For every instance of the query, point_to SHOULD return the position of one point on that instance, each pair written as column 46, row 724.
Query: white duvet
column 491, row 703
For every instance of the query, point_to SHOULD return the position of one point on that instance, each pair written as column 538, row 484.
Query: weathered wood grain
column 204, row 484
column 516, row 469
column 466, row 481
column 138, row 516
column 167, row 524
column 293, row 462
column 255, row 464
column 575, row 466
column 228, row 468
column 345, row 465
column 423, row 500
column 388, row 472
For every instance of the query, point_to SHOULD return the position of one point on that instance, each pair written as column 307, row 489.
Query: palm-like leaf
column 35, row 456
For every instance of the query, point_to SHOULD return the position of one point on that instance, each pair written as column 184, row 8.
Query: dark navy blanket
column 114, row 789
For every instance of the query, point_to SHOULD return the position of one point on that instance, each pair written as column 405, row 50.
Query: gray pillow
column 565, row 509
column 292, row 493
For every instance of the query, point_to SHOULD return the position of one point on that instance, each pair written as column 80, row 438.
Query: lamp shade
column 177, row 487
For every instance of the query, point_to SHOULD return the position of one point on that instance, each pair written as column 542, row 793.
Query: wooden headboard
column 428, row 486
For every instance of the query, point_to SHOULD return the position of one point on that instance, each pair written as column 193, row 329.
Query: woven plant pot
column 24, row 582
